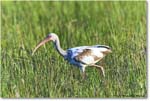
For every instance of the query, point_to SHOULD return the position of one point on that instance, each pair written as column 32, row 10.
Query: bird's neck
column 59, row 49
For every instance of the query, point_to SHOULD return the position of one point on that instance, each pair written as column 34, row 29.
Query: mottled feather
column 87, row 55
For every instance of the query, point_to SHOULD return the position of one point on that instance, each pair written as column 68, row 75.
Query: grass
column 121, row 25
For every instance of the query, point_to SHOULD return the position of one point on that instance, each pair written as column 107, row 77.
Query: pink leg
column 83, row 72
column 102, row 69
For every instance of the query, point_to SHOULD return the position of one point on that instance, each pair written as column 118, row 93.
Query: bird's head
column 50, row 37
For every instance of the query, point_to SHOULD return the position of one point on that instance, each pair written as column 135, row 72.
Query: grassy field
column 121, row 25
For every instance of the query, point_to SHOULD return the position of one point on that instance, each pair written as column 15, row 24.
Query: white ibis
column 82, row 56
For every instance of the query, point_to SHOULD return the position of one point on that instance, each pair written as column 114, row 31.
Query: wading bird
column 82, row 56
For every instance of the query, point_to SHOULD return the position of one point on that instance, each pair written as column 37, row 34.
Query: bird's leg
column 102, row 69
column 83, row 75
column 83, row 72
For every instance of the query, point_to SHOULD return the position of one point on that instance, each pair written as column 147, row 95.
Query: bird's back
column 87, row 54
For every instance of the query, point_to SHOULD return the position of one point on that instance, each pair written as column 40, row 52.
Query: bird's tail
column 108, row 49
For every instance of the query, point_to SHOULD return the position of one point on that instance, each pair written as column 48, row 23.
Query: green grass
column 121, row 25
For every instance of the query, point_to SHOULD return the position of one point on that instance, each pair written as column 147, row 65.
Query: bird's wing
column 88, row 54
column 103, row 47
column 72, row 52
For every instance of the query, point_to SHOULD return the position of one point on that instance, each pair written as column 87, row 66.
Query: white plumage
column 87, row 59
column 82, row 56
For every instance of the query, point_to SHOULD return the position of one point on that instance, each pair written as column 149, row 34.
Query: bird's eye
column 48, row 35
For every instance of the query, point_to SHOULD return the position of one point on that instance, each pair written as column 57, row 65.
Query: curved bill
column 41, row 43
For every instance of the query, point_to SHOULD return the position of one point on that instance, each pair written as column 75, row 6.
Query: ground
column 120, row 25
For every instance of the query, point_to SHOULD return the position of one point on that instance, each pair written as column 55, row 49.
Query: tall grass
column 121, row 25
